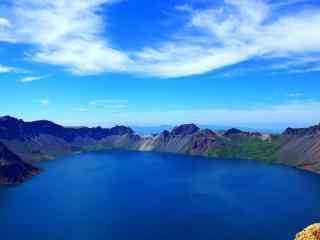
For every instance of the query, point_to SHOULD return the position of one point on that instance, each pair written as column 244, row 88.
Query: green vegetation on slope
column 252, row 148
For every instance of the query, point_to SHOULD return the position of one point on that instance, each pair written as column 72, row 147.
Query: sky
column 242, row 63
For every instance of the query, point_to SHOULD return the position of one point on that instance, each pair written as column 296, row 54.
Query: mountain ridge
column 44, row 140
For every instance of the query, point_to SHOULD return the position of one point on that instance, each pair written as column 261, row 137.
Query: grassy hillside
column 242, row 147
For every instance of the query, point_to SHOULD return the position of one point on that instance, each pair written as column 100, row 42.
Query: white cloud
column 237, row 31
column 65, row 33
column 72, row 34
column 31, row 79
column 6, row 69
column 4, row 22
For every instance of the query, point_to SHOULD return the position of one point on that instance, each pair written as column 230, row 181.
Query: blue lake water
column 133, row 195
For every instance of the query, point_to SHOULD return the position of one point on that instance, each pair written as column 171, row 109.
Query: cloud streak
column 31, row 79
column 110, row 103
column 296, row 94
column 44, row 102
column 6, row 69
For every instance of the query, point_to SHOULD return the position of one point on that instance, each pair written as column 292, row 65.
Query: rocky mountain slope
column 12, row 169
column 302, row 147
column 295, row 147
column 185, row 139
column 44, row 140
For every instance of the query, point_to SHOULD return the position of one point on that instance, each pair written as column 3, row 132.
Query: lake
column 134, row 195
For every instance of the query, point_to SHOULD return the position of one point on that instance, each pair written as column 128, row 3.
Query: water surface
column 133, row 195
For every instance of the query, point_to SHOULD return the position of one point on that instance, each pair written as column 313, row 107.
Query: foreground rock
column 310, row 233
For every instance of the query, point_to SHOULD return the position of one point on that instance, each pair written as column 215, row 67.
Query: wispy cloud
column 305, row 70
column 299, row 65
column 284, row 3
column 115, row 106
column 184, row 8
column 31, row 79
column 44, row 102
column 284, row 115
column 295, row 94
column 71, row 34
column 110, row 103
column 235, row 32
column 6, row 69
column 80, row 109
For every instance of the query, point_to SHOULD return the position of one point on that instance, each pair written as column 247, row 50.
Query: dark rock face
column 11, row 128
column 121, row 130
column 45, row 140
column 7, row 157
column 203, row 141
column 185, row 129
column 303, row 131
column 236, row 132
column 232, row 131
column 12, row 169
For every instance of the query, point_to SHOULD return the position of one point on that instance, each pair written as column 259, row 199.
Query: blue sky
column 244, row 63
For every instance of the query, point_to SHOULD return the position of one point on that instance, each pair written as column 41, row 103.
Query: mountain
column 185, row 139
column 12, row 169
column 302, row 147
column 44, row 140
column 233, row 143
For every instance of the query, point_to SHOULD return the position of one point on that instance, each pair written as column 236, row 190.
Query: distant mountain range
column 156, row 129
column 24, row 143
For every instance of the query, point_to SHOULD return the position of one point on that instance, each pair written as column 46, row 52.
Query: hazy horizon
column 154, row 128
